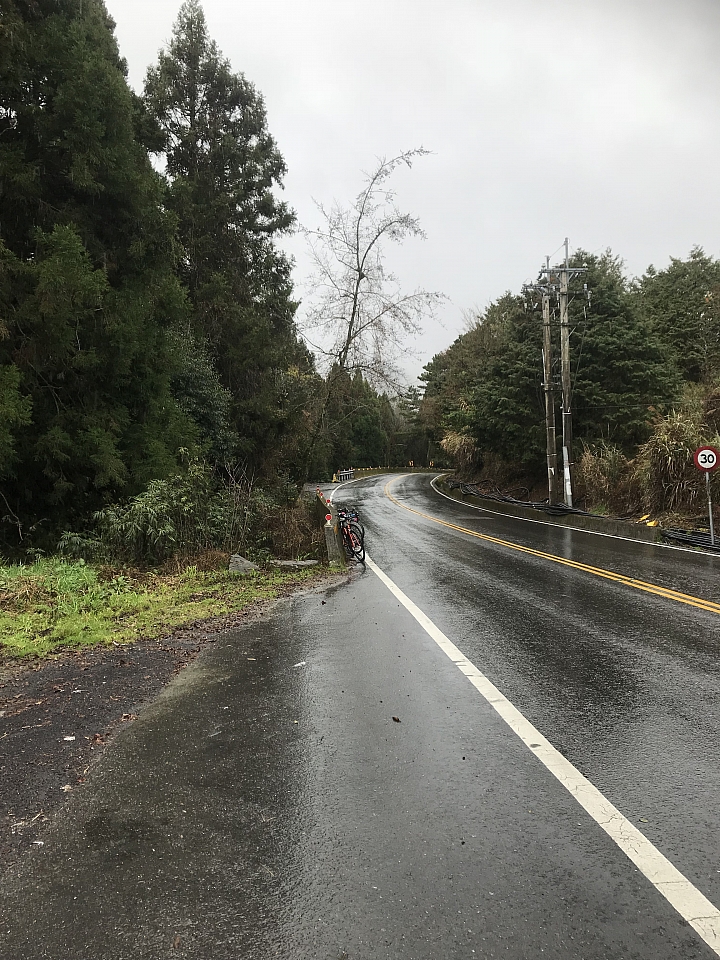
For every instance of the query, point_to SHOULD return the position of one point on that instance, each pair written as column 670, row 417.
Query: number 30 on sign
column 706, row 458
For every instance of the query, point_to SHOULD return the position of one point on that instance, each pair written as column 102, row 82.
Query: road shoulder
column 59, row 715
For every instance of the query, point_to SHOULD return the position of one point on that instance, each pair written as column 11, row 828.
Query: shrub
column 181, row 513
column 461, row 449
column 604, row 478
column 196, row 512
column 664, row 468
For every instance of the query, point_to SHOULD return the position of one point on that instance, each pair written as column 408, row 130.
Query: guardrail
column 355, row 473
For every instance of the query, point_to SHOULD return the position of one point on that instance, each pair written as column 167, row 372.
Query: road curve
column 269, row 805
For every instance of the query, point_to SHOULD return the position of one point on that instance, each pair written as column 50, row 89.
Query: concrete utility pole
column 546, row 290
column 568, row 462
column 550, row 441
column 565, row 273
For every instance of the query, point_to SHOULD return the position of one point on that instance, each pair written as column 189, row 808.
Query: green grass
column 54, row 605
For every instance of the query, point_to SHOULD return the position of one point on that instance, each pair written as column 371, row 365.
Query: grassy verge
column 54, row 605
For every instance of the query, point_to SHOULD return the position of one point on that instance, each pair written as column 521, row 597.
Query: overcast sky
column 596, row 120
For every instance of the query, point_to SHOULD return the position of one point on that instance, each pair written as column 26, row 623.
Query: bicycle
column 353, row 533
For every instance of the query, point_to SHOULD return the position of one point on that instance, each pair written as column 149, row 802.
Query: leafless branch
column 356, row 305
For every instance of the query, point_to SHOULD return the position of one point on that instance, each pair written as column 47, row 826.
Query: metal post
column 710, row 515
column 566, row 385
column 551, row 442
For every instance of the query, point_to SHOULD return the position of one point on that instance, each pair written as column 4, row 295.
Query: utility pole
column 568, row 462
column 550, row 441
column 546, row 289
column 565, row 273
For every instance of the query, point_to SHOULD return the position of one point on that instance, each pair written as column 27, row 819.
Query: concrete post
column 333, row 537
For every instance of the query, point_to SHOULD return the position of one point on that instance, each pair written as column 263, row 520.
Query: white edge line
column 357, row 480
column 561, row 526
column 692, row 905
column 376, row 476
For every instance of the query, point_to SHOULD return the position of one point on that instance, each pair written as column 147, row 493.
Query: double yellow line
column 653, row 588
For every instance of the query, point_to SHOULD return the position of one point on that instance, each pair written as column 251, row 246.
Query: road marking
column 562, row 526
column 666, row 592
column 346, row 482
column 690, row 903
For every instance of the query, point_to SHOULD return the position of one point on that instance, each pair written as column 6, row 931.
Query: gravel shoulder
column 57, row 716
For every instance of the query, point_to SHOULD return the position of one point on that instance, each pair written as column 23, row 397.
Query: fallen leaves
column 397, row 720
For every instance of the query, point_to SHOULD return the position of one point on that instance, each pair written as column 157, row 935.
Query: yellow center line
column 653, row 588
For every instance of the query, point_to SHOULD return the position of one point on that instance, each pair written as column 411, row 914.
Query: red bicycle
column 353, row 534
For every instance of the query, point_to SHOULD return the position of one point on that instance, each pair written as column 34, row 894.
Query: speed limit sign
column 706, row 458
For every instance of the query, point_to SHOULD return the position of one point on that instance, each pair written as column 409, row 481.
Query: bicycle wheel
column 357, row 538
column 347, row 541
column 356, row 520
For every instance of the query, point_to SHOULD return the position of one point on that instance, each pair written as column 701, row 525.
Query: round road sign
column 706, row 458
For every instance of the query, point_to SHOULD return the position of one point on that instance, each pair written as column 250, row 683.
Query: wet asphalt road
column 269, row 806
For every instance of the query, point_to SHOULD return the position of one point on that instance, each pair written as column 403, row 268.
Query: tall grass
column 661, row 479
column 461, row 449
column 664, row 470
column 55, row 604
column 604, row 479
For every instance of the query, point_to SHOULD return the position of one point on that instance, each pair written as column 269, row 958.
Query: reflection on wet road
column 567, row 561
column 269, row 805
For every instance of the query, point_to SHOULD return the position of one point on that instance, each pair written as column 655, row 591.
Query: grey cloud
column 592, row 120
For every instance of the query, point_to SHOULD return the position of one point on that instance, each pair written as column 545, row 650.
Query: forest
column 645, row 375
column 156, row 392
column 149, row 350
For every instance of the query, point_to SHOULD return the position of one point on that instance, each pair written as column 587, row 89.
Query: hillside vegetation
column 147, row 320
column 645, row 357
column 156, row 395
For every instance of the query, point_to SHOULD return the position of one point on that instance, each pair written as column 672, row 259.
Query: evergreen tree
column 497, row 399
column 199, row 393
column 622, row 371
column 411, row 439
column 354, row 427
column 368, row 438
column 488, row 384
column 682, row 305
column 223, row 166
column 439, row 395
column 87, row 289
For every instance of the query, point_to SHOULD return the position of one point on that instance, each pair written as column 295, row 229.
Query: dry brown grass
column 604, row 480
column 461, row 449
column 664, row 470
column 294, row 534
column 711, row 411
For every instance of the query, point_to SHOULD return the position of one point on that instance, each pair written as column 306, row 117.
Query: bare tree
column 357, row 317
